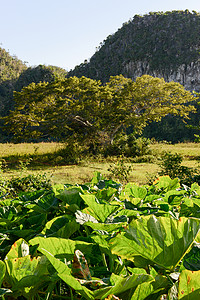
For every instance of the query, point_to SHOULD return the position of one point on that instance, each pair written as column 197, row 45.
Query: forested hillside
column 159, row 44
column 10, row 70
column 14, row 75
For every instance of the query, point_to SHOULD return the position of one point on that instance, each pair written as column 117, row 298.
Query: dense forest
column 159, row 44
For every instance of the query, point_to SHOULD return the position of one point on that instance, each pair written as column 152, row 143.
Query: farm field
column 82, row 236
column 101, row 241
column 84, row 170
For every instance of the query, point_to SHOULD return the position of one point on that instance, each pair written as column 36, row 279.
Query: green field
column 16, row 157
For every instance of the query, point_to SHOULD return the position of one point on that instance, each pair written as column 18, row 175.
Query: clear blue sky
column 66, row 32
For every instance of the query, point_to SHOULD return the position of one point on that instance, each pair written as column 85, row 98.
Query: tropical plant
column 101, row 240
column 171, row 164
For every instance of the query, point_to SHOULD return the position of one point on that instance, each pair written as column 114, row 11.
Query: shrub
column 129, row 146
column 171, row 164
column 68, row 155
column 120, row 170
column 29, row 183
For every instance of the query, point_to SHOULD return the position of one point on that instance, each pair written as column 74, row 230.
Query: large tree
column 83, row 108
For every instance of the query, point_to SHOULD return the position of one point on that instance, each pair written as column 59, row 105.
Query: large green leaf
column 101, row 211
column 60, row 226
column 26, row 274
column 60, row 247
column 46, row 203
column 18, row 268
column 189, row 287
column 19, row 249
column 70, row 195
column 163, row 241
column 2, row 271
column 126, row 285
column 106, row 195
column 192, row 259
column 174, row 197
column 148, row 288
column 165, row 183
column 64, row 272
column 135, row 193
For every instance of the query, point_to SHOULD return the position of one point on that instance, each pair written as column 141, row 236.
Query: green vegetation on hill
column 163, row 40
column 10, row 66
column 14, row 75
column 10, row 70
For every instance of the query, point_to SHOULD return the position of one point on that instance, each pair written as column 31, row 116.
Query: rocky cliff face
column 186, row 74
column 158, row 44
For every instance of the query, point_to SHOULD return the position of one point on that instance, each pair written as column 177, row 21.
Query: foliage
column 69, row 154
column 14, row 75
column 26, row 183
column 10, row 66
column 128, row 145
column 120, row 170
column 171, row 164
column 101, row 240
column 159, row 41
column 172, row 129
column 85, row 111
column 158, row 44
column 40, row 73
column 10, row 69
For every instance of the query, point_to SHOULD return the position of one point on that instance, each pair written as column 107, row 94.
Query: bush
column 129, row 146
column 67, row 155
column 171, row 164
column 120, row 170
column 29, row 183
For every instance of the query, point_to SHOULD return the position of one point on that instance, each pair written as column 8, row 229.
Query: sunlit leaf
column 2, row 271
column 101, row 211
column 161, row 240
column 189, row 287
column 19, row 249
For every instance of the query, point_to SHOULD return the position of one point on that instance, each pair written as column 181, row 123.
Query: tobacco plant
column 102, row 240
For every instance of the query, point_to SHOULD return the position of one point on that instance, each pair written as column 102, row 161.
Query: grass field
column 83, row 172
column 188, row 150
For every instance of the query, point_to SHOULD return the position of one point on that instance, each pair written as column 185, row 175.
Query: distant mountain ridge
column 161, row 44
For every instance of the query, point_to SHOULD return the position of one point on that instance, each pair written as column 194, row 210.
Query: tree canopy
column 86, row 109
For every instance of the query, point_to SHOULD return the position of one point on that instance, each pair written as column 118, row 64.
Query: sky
column 64, row 33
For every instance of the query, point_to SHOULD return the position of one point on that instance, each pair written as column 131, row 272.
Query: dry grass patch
column 190, row 150
column 9, row 149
